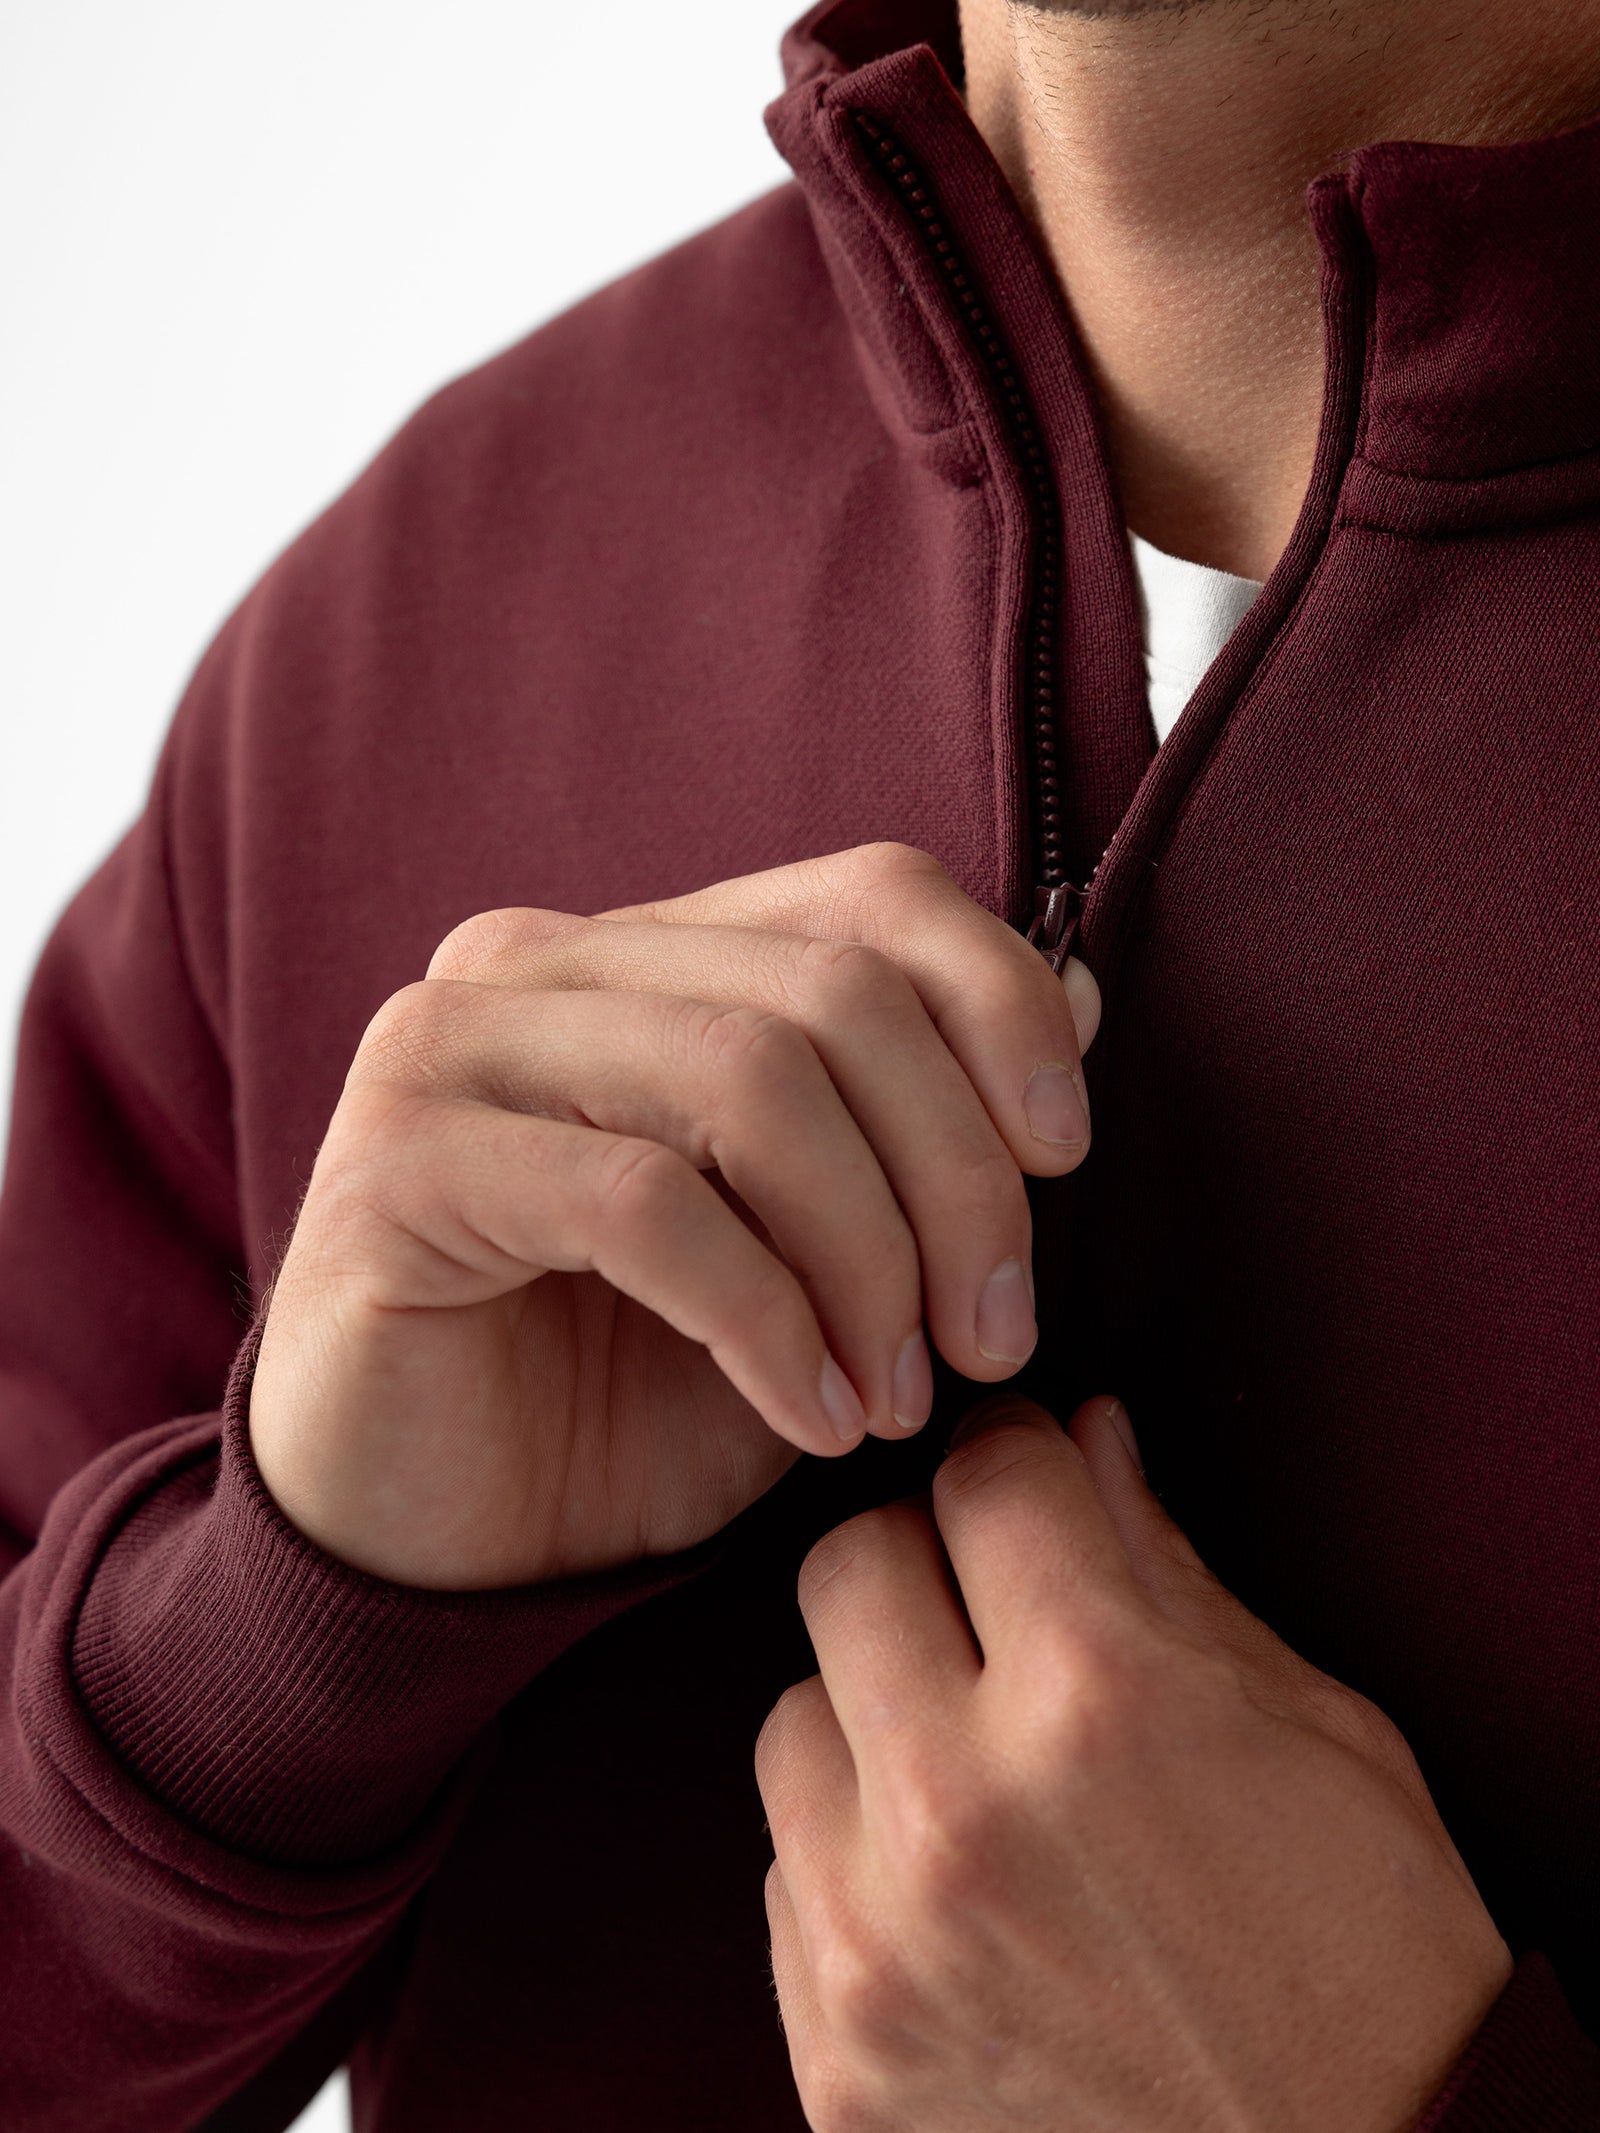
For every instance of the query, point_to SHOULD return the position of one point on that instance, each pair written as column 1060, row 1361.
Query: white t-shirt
column 1188, row 612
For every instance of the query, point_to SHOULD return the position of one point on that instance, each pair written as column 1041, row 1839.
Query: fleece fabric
column 801, row 536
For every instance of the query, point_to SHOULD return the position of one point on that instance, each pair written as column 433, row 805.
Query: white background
column 238, row 243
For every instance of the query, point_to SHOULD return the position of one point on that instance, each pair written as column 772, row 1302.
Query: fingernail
column 912, row 1389
column 1057, row 1108
column 839, row 1402
column 1117, row 1416
column 1006, row 1329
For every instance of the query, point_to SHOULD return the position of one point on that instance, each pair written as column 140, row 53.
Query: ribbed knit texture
column 291, row 1706
column 741, row 561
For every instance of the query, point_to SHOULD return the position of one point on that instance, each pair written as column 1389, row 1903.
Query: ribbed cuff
column 1530, row 2068
column 289, row 1706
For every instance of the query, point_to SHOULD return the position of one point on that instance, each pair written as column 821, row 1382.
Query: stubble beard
column 1113, row 9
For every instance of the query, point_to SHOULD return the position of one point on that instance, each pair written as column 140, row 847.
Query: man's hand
column 1095, row 1853
column 617, row 1216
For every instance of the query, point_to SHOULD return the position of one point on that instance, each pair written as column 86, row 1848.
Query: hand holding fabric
column 616, row 1216
column 1070, row 1840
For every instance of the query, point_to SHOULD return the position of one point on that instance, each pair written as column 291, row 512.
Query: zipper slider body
column 1056, row 911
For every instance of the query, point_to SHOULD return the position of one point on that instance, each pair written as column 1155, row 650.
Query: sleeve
column 1530, row 2067
column 227, row 1761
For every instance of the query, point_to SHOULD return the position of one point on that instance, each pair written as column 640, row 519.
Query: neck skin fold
column 1162, row 155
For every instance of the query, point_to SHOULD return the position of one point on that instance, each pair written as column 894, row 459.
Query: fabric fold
column 291, row 1706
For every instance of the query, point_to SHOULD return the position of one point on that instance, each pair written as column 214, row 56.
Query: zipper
column 1057, row 901
column 1059, row 904
column 1054, row 926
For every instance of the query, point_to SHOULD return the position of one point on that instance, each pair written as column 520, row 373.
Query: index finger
column 1033, row 1548
column 885, row 1623
column 1017, row 1029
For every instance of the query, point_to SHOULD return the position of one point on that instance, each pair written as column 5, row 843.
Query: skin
column 614, row 1218
column 1067, row 1839
column 1162, row 155
column 1064, row 1837
column 617, row 1216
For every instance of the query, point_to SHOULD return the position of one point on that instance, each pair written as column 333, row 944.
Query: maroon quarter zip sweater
column 804, row 535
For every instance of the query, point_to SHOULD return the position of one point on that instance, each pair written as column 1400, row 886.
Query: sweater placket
column 918, row 211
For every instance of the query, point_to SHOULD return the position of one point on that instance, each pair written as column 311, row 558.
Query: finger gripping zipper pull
column 1056, row 911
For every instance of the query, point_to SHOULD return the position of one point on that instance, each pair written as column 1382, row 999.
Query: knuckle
column 1112, row 1703
column 1104, row 1704
column 771, row 1305
column 835, row 2100
column 752, row 1050
column 380, row 1142
column 836, row 1554
column 981, row 1174
column 841, row 980
column 482, row 941
column 862, row 1989
column 782, row 1725
column 886, row 861
column 1358, row 1724
column 371, row 1147
column 370, row 1115
column 413, row 1031
column 393, row 1030
column 770, row 1748
column 885, row 888
column 944, row 1830
column 972, row 1473
column 373, row 1127
column 641, row 1183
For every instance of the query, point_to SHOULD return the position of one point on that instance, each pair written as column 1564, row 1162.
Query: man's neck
column 1162, row 155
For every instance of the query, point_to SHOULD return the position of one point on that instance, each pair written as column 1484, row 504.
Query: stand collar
column 1483, row 345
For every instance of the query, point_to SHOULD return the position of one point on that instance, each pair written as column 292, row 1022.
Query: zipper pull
column 1056, row 912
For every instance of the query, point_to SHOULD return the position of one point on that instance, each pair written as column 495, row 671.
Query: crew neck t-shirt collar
column 1187, row 613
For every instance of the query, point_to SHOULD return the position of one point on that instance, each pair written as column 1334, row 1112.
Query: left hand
column 1095, row 1853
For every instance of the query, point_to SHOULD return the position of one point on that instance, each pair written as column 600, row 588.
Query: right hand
column 617, row 1216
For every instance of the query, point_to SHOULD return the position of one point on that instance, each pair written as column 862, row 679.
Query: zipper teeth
column 1039, row 656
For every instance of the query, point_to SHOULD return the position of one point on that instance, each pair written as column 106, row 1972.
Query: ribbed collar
column 1482, row 355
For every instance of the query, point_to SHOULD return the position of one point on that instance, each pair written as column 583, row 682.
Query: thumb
column 1160, row 1553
